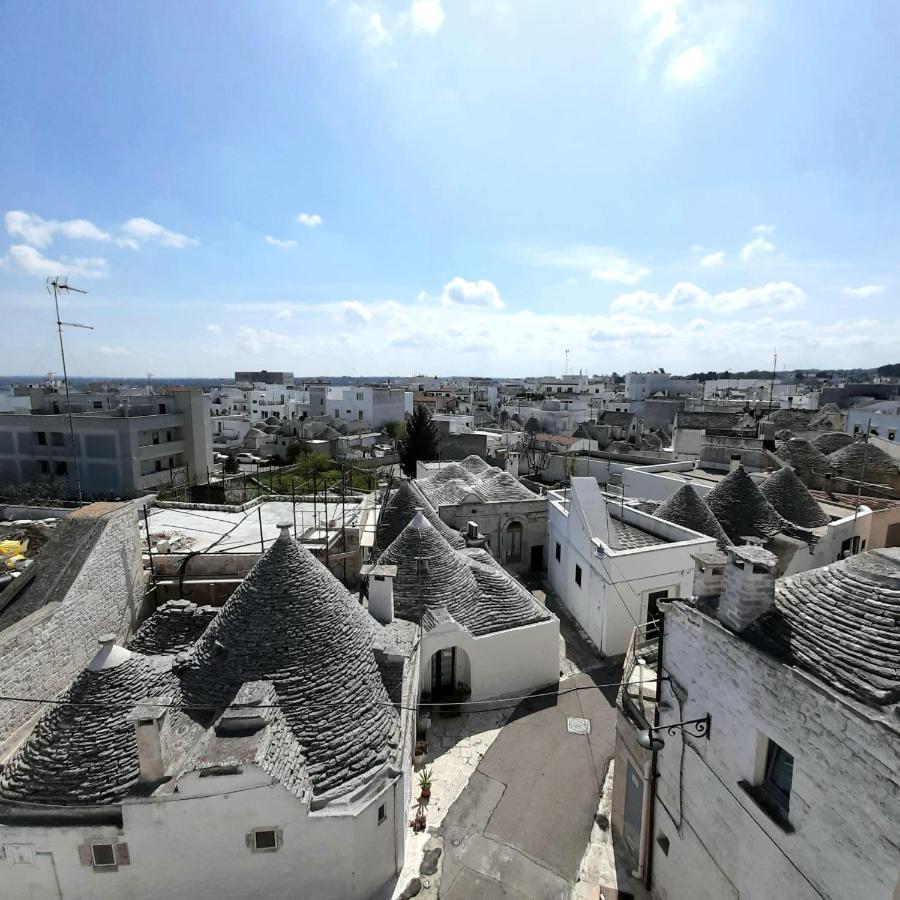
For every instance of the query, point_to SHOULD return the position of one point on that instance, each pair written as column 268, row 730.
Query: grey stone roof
column 631, row 537
column 327, row 434
column 784, row 434
column 848, row 461
column 686, row 508
column 293, row 623
column 702, row 420
column 85, row 755
column 741, row 509
column 476, row 592
column 452, row 484
column 399, row 512
column 802, row 456
column 790, row 497
column 173, row 627
column 621, row 447
column 831, row 441
column 842, row 624
column 613, row 417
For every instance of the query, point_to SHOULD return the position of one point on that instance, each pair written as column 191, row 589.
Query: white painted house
column 266, row 756
column 611, row 564
column 794, row 788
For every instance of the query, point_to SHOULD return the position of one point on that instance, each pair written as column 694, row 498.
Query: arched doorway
column 450, row 673
column 514, row 542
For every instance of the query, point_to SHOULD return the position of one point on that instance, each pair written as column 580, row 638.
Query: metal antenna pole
column 772, row 385
column 58, row 286
column 862, row 478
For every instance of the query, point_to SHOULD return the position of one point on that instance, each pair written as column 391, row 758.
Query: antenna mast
column 57, row 284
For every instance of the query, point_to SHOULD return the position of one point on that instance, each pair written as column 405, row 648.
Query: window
column 382, row 814
column 103, row 855
column 653, row 599
column 41, row 438
column 157, row 465
column 558, row 552
column 168, row 435
column 578, row 575
column 155, row 437
column 62, row 468
column 856, row 429
column 360, row 415
column 264, row 840
column 45, row 466
column 98, row 404
column 778, row 776
column 162, row 409
column 892, row 435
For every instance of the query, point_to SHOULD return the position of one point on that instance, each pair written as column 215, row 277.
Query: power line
column 504, row 703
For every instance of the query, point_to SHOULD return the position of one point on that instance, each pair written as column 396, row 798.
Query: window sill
column 762, row 800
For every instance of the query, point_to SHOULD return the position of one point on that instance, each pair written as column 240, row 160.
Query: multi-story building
column 125, row 446
column 364, row 403
column 264, row 377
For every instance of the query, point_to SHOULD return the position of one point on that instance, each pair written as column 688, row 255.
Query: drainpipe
column 648, row 876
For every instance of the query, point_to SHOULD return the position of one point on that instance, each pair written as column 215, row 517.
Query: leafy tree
column 420, row 442
column 293, row 452
column 231, row 465
column 396, row 431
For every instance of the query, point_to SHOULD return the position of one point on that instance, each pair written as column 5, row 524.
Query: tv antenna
column 54, row 286
column 567, row 364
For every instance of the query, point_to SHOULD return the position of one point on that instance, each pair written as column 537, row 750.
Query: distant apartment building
column 264, row 377
column 374, row 405
column 125, row 445
column 641, row 385
column 881, row 419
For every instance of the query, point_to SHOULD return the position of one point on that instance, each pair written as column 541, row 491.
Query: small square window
column 45, row 466
column 558, row 552
column 265, row 839
column 62, row 468
column 98, row 404
column 103, row 855
column 578, row 575
column 382, row 814
column 41, row 437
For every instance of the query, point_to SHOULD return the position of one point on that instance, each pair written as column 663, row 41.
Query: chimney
column 708, row 571
column 474, row 538
column 149, row 716
column 749, row 586
column 381, row 592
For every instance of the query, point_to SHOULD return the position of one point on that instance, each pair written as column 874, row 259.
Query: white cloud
column 284, row 314
column 281, row 244
column 603, row 263
column 757, row 247
column 764, row 229
column 665, row 24
column 426, row 16
column 690, row 65
column 113, row 350
column 253, row 340
column 40, row 232
column 782, row 295
column 214, row 329
column 712, row 260
column 310, row 220
column 864, row 290
column 138, row 231
column 26, row 259
column 354, row 313
column 481, row 293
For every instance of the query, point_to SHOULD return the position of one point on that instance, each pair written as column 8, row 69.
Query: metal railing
column 640, row 684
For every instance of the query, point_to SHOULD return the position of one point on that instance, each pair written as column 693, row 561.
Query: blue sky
column 451, row 187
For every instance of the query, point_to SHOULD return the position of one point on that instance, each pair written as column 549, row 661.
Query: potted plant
column 425, row 782
column 417, row 823
column 419, row 753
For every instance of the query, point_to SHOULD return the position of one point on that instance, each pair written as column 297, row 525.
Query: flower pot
column 426, row 793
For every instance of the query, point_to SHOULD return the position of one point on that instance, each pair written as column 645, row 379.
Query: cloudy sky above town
column 450, row 187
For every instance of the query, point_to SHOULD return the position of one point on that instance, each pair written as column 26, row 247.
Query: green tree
column 293, row 452
column 420, row 442
column 396, row 431
column 231, row 465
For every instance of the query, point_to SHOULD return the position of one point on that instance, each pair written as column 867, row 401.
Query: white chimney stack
column 749, row 586
column 709, row 569
column 148, row 717
column 381, row 592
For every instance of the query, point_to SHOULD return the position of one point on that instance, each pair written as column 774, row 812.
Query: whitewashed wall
column 845, row 798
column 195, row 847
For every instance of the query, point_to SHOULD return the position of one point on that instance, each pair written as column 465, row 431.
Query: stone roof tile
column 741, row 509
column 790, row 497
column 686, row 508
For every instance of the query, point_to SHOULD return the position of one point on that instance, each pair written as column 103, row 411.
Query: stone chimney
column 474, row 538
column 709, row 569
column 749, row 586
column 149, row 718
column 381, row 592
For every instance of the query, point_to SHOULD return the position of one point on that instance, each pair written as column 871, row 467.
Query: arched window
column 514, row 542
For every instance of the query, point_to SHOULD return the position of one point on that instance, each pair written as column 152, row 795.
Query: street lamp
column 649, row 740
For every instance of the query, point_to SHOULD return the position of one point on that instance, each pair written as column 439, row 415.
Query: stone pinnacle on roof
column 741, row 509
column 831, row 441
column 291, row 622
column 399, row 511
column 686, row 508
column 790, row 497
column 848, row 462
column 802, row 456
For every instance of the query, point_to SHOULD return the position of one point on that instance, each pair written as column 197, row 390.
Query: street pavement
column 520, row 827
